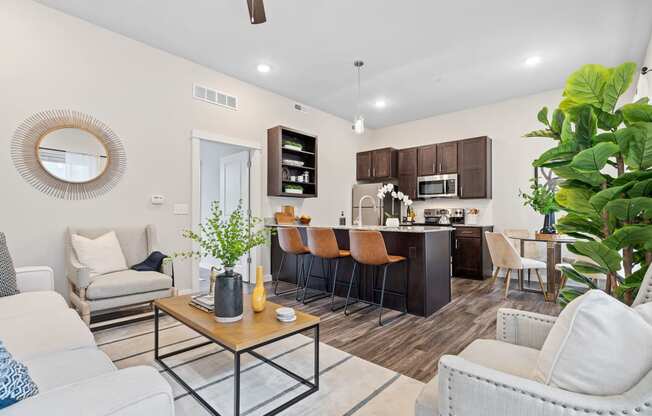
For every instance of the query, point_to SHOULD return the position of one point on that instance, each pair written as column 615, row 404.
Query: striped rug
column 348, row 384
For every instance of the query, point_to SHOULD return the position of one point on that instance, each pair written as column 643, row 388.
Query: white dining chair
column 504, row 256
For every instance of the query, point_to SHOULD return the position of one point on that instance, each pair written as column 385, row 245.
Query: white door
column 234, row 187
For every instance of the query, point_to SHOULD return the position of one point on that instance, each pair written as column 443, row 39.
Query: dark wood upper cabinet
column 377, row 164
column 474, row 167
column 290, row 153
column 407, row 171
column 384, row 163
column 407, row 161
column 363, row 166
column 447, row 158
column 427, row 160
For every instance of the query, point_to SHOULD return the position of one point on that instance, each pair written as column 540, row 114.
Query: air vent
column 300, row 107
column 212, row 96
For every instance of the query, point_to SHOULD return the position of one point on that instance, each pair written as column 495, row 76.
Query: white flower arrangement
column 389, row 189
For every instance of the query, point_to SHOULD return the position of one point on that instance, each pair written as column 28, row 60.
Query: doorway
column 224, row 179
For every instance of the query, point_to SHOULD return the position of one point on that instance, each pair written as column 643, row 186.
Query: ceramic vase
column 259, row 297
column 548, row 224
column 228, row 296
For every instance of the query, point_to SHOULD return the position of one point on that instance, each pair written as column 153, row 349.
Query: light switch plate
column 181, row 209
column 158, row 199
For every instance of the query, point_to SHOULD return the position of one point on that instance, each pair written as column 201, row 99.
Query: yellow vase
column 258, row 297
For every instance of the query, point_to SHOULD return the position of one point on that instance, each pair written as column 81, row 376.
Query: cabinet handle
column 456, row 241
column 434, row 168
column 369, row 172
column 440, row 168
column 374, row 171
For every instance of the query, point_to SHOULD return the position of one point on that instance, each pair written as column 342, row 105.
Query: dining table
column 554, row 244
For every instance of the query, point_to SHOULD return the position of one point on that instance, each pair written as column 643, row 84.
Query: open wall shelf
column 291, row 163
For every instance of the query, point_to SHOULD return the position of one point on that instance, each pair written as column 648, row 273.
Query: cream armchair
column 114, row 290
column 494, row 377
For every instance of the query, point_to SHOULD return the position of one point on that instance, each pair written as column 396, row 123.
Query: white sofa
column 495, row 377
column 73, row 376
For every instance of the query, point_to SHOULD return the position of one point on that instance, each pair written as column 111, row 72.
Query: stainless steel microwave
column 437, row 186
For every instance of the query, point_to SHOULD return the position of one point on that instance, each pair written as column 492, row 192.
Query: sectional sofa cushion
column 29, row 336
column 501, row 356
column 15, row 381
column 8, row 285
column 590, row 349
column 102, row 254
column 50, row 371
column 127, row 282
column 31, row 303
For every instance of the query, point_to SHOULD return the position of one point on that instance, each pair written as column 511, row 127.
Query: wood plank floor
column 412, row 345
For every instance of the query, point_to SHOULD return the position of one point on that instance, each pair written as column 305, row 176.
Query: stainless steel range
column 443, row 216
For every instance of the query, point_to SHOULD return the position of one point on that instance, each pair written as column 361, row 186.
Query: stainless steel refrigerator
column 373, row 209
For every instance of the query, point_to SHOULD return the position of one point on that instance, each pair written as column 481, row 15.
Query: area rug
column 348, row 385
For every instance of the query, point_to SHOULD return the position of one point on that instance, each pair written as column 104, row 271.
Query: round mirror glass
column 72, row 155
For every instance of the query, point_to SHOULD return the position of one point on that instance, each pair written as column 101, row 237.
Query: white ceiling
column 424, row 57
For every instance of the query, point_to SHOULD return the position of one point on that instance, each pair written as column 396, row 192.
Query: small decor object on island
column 305, row 219
column 602, row 155
column 227, row 240
column 258, row 296
column 542, row 200
column 393, row 219
column 472, row 216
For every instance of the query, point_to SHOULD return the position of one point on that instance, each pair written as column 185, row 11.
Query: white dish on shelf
column 290, row 147
column 293, row 162
column 294, row 191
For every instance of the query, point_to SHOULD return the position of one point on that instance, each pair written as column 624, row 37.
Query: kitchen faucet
column 373, row 200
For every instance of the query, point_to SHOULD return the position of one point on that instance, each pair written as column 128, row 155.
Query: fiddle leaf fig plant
column 603, row 157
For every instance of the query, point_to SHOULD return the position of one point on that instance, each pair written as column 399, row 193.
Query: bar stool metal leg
column 382, row 296
column 333, row 285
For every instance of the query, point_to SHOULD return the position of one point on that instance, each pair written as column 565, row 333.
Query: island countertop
column 402, row 229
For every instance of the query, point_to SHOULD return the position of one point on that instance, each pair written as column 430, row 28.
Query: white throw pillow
column 102, row 255
column 597, row 346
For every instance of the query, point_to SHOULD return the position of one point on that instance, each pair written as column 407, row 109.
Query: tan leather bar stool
column 368, row 248
column 323, row 244
column 291, row 242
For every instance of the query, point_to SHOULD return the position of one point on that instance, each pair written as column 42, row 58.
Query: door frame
column 255, row 190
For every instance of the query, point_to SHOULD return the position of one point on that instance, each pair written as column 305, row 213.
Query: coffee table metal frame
column 313, row 386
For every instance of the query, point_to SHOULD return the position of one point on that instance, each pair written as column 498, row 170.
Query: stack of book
column 204, row 302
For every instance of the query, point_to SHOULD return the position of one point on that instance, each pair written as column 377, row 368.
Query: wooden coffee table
column 253, row 331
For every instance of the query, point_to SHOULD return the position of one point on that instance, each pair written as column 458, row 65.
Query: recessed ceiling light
column 380, row 103
column 533, row 60
column 263, row 68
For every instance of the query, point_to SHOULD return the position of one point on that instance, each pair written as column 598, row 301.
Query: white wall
column 51, row 60
column 644, row 87
column 505, row 123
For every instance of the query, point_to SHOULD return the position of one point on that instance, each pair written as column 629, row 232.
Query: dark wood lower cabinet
column 426, row 271
column 471, row 259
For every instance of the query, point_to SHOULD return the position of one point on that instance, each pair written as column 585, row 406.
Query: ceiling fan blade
column 256, row 11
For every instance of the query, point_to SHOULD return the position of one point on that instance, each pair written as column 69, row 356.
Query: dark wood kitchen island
column 427, row 269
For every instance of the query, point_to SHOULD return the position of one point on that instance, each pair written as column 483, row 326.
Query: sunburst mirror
column 68, row 154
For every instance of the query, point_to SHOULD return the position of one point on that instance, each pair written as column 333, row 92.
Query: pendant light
column 358, row 121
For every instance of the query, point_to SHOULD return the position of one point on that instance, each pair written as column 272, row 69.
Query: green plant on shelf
column 294, row 187
column 292, row 143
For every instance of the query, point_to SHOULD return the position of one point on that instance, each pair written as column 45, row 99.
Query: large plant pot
column 548, row 224
column 228, row 296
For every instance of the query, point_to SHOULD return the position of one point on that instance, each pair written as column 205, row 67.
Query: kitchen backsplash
column 485, row 217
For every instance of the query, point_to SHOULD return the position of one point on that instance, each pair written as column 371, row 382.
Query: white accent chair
column 504, row 256
column 495, row 377
column 120, row 289
column 74, row 377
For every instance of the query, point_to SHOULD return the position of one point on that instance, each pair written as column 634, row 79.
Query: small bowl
column 285, row 312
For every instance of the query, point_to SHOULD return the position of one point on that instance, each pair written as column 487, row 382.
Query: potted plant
column 227, row 240
column 293, row 189
column 392, row 219
column 603, row 156
column 542, row 200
